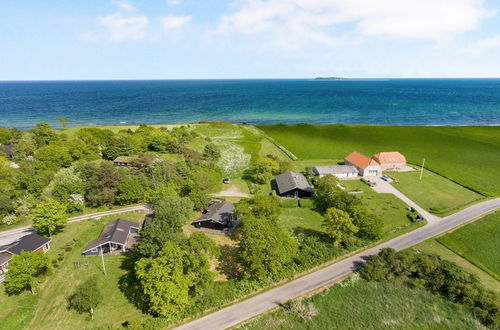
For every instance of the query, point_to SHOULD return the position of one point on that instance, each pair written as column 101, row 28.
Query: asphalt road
column 263, row 302
column 9, row 236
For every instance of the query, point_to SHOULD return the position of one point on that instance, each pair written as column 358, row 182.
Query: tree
column 338, row 225
column 180, row 271
column 266, row 248
column 129, row 191
column 171, row 213
column 5, row 135
column 118, row 145
column 164, row 282
column 52, row 157
column 87, row 296
column 43, row 134
column 24, row 271
column 264, row 169
column 63, row 121
column 211, row 152
column 102, row 183
column 370, row 226
column 261, row 206
column 49, row 216
column 330, row 195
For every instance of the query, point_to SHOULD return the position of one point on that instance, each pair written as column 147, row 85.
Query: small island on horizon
column 330, row 78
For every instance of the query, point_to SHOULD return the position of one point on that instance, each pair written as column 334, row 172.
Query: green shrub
column 306, row 203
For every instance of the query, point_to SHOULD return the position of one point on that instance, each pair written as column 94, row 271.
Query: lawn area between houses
column 467, row 155
column 370, row 305
column 387, row 207
column 478, row 242
column 434, row 192
column 48, row 308
column 300, row 217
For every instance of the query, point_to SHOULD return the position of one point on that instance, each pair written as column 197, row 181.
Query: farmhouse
column 123, row 161
column 8, row 149
column 219, row 215
column 340, row 171
column 390, row 161
column 294, row 185
column 117, row 236
column 30, row 243
column 365, row 165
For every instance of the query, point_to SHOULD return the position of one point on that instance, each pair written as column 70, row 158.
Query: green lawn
column 297, row 217
column 468, row 155
column 48, row 308
column 434, row 192
column 388, row 207
column 371, row 305
column 478, row 242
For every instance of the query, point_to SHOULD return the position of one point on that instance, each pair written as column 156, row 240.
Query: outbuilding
column 293, row 185
column 123, row 161
column 8, row 149
column 340, row 171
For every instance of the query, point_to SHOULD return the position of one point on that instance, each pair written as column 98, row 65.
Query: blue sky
column 184, row 39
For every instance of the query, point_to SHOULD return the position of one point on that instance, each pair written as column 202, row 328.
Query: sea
column 456, row 102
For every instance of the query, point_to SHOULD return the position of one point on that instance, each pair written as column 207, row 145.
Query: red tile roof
column 360, row 160
column 392, row 157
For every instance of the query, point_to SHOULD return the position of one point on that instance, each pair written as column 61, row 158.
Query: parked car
column 387, row 178
column 419, row 217
column 225, row 180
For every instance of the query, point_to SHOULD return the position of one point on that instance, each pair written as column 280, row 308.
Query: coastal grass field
column 478, row 242
column 466, row 155
column 371, row 305
column 47, row 309
column 434, row 192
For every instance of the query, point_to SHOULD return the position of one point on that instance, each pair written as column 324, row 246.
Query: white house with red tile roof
column 390, row 161
column 365, row 165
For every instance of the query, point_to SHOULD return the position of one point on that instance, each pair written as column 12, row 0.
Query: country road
column 9, row 236
column 263, row 302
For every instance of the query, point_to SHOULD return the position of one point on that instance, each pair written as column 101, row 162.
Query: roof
column 123, row 159
column 116, row 231
column 148, row 219
column 28, row 243
column 360, row 160
column 391, row 157
column 218, row 212
column 4, row 258
column 290, row 180
column 8, row 149
column 337, row 169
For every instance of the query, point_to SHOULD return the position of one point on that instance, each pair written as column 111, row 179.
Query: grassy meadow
column 48, row 308
column 371, row 305
column 478, row 242
column 467, row 155
column 434, row 192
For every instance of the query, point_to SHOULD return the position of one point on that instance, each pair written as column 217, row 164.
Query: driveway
column 384, row 187
column 232, row 191
column 239, row 312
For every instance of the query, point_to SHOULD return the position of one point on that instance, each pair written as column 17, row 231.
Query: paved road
column 261, row 303
column 9, row 236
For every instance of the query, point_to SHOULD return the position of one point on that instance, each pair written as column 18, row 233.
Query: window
column 94, row 250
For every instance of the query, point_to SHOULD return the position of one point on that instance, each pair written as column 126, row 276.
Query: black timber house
column 293, row 185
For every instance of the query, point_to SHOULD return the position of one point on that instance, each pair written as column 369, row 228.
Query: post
column 422, row 169
column 102, row 258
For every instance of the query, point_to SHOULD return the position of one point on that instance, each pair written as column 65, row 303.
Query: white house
column 365, row 165
column 340, row 171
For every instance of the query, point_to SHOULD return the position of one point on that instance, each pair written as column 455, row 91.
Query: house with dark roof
column 8, row 149
column 294, row 185
column 117, row 236
column 340, row 171
column 30, row 243
column 365, row 165
column 219, row 215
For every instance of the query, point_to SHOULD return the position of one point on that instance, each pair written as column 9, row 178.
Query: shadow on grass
column 129, row 284
column 230, row 263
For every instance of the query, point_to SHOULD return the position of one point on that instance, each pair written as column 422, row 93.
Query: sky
column 210, row 39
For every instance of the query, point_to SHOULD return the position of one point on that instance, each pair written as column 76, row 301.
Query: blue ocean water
column 392, row 101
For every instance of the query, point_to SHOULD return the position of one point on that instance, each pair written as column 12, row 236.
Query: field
column 299, row 217
column 48, row 308
column 434, row 193
column 478, row 242
column 467, row 155
column 359, row 306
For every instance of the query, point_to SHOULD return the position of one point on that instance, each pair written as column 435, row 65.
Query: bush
column 289, row 203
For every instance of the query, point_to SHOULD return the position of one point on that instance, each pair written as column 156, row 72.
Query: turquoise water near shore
column 388, row 102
